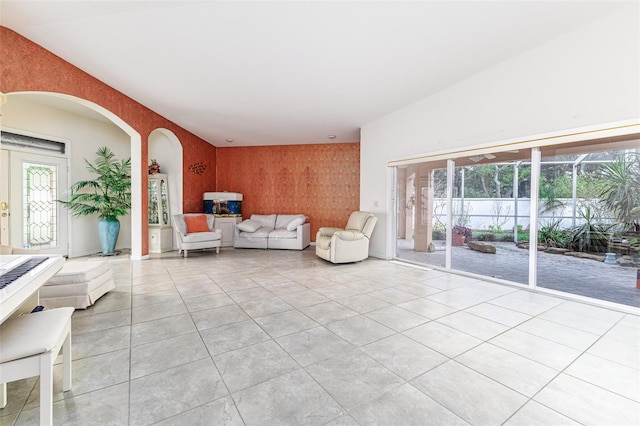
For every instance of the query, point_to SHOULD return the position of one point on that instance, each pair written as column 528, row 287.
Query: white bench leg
column 66, row 363
column 3, row 395
column 46, row 389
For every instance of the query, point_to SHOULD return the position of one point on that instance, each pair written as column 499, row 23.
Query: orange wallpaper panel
column 321, row 181
column 26, row 66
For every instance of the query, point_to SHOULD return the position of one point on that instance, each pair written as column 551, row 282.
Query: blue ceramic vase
column 108, row 230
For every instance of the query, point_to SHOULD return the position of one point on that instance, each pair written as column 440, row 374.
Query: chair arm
column 349, row 235
column 327, row 232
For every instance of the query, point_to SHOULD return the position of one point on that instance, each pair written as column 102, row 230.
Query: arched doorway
column 83, row 107
column 166, row 149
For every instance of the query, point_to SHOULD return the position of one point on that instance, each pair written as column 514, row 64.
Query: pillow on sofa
column 249, row 225
column 267, row 220
column 196, row 224
column 297, row 221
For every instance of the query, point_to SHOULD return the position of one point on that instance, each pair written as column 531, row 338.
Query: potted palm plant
column 108, row 196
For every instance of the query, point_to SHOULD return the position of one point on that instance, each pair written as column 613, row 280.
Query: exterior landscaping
column 588, row 214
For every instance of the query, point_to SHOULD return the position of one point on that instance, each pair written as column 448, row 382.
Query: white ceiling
column 271, row 73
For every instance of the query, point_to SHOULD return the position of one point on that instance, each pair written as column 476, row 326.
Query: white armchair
column 350, row 244
column 200, row 237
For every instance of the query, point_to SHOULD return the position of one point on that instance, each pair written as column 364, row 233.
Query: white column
column 533, row 217
column 450, row 171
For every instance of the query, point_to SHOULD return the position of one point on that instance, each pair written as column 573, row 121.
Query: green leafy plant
column 109, row 194
column 590, row 236
column 621, row 189
column 495, row 229
column 485, row 236
column 438, row 232
column 552, row 236
column 551, row 193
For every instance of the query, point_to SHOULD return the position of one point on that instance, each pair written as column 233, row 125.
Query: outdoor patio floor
column 569, row 274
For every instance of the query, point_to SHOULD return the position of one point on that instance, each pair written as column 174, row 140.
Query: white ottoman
column 77, row 284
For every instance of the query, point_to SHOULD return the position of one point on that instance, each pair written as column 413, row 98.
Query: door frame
column 7, row 227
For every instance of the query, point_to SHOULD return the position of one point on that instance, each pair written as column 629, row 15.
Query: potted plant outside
column 460, row 234
column 108, row 196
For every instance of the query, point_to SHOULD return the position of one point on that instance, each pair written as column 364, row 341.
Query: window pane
column 491, row 218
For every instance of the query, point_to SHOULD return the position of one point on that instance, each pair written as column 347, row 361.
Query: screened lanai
column 546, row 217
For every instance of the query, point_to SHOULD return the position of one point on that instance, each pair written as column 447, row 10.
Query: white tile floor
column 280, row 337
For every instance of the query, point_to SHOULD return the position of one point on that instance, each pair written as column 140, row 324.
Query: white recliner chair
column 350, row 244
column 199, row 237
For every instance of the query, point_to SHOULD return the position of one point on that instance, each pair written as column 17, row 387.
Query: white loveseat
column 273, row 231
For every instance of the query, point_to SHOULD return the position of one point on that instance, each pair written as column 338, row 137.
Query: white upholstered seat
column 77, row 284
column 349, row 244
column 29, row 345
column 196, row 240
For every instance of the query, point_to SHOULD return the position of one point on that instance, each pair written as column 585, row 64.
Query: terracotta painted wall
column 26, row 66
column 321, row 181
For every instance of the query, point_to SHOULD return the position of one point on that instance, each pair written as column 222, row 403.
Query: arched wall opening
column 166, row 149
column 83, row 107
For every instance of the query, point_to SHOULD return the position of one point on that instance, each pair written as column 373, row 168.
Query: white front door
column 32, row 217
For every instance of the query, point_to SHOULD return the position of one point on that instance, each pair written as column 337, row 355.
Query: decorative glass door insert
column 153, row 202
column 33, row 217
column 158, row 200
column 39, row 207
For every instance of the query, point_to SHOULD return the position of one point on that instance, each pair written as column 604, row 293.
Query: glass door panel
column 490, row 218
column 587, row 227
column 36, row 220
column 421, row 211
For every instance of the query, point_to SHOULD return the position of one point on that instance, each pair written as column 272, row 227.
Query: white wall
column 86, row 136
column 587, row 77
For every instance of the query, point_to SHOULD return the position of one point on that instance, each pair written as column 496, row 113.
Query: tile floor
column 280, row 337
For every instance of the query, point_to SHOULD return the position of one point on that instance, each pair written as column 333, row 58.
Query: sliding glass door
column 561, row 218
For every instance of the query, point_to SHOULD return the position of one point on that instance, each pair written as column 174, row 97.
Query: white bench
column 77, row 284
column 29, row 345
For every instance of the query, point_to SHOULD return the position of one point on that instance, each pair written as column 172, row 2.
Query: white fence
column 482, row 213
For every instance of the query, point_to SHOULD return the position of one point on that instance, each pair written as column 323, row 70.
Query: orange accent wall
column 26, row 66
column 321, row 181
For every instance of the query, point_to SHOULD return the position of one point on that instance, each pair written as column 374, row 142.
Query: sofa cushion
column 196, row 223
column 349, row 235
column 197, row 237
column 78, row 272
column 296, row 222
column 262, row 232
column 327, row 231
column 267, row 220
column 279, row 234
column 290, row 221
column 283, row 220
column 323, row 242
column 357, row 220
column 249, row 225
